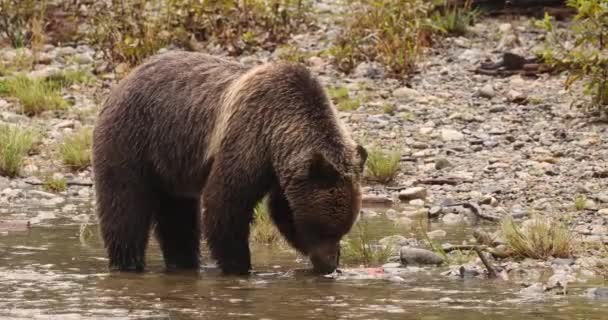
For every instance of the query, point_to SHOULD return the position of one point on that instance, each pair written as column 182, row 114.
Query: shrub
column 128, row 31
column 131, row 30
column 34, row 95
column 540, row 238
column 15, row 143
column 391, row 32
column 581, row 50
column 240, row 25
column 263, row 230
column 76, row 149
column 382, row 166
column 15, row 17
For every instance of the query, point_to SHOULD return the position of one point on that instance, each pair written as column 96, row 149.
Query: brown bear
column 185, row 127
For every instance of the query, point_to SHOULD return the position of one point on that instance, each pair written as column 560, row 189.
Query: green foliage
column 292, row 54
column 15, row 143
column 392, row 32
column 34, row 95
column 263, row 230
column 582, row 50
column 54, row 184
column 15, row 19
column 540, row 238
column 454, row 19
column 76, row 149
column 382, row 166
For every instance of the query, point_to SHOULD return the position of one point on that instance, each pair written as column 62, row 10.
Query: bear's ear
column 362, row 154
column 320, row 168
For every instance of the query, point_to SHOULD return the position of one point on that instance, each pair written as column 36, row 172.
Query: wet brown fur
column 186, row 125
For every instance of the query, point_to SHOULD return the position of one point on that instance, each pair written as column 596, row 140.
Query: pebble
column 412, row 193
column 451, row 135
column 452, row 218
column 436, row 234
column 405, row 93
column 487, row 91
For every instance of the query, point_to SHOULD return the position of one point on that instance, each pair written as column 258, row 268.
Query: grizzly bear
column 187, row 133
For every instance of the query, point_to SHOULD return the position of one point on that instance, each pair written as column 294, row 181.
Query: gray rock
column 368, row 70
column 452, row 218
column 536, row 289
column 436, row 234
column 451, row 135
column 487, row 91
column 412, row 193
column 442, row 163
column 414, row 256
column 562, row 262
column 405, row 93
column 597, row 293
column 83, row 58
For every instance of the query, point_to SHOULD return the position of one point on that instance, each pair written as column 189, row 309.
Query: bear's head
column 325, row 199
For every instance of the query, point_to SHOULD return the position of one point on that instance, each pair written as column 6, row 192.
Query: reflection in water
column 47, row 273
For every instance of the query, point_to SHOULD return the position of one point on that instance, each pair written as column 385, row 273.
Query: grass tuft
column 382, row 166
column 541, row 238
column 360, row 248
column 34, row 95
column 263, row 230
column 15, row 143
column 454, row 19
column 76, row 149
column 55, row 184
column 65, row 79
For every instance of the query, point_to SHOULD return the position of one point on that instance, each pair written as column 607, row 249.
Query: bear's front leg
column 226, row 221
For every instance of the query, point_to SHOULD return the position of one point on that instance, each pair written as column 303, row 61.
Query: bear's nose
column 325, row 263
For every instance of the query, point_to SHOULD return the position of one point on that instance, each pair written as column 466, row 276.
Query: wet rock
column 487, row 91
column 412, row 193
column 14, row 225
column 435, row 211
column 436, row 234
column 415, row 256
column 535, row 289
column 451, row 135
column 373, row 199
column 452, row 218
column 418, row 203
column 394, row 240
column 597, row 293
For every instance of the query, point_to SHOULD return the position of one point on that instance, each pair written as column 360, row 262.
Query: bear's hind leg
column 178, row 231
column 125, row 217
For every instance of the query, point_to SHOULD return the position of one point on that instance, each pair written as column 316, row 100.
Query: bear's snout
column 326, row 259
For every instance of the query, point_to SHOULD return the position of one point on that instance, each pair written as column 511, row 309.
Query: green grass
column 389, row 108
column 342, row 100
column 34, row 95
column 75, row 149
column 67, row 78
column 54, row 184
column 542, row 238
column 360, row 247
column 382, row 166
column 580, row 202
column 263, row 230
column 454, row 19
column 15, row 143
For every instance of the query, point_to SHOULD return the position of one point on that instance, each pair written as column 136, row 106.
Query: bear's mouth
column 325, row 263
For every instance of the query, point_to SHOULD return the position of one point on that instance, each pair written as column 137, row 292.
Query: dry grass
column 540, row 238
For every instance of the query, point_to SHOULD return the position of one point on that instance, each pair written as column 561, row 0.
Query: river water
column 50, row 272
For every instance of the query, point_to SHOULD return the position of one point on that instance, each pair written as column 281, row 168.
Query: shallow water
column 48, row 273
